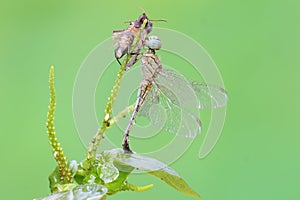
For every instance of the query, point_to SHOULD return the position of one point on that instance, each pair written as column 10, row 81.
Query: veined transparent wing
column 167, row 107
column 209, row 96
column 181, row 100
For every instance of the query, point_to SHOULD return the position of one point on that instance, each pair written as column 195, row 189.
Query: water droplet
column 109, row 172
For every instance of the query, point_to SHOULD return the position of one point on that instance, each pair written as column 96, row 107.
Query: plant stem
column 64, row 171
column 96, row 140
column 121, row 114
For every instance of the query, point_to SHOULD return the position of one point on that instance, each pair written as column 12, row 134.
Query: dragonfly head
column 153, row 42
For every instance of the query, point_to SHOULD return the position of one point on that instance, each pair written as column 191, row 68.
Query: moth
column 124, row 39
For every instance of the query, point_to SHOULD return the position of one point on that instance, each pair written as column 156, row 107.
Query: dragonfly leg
column 125, row 144
column 135, row 53
column 133, row 60
column 118, row 61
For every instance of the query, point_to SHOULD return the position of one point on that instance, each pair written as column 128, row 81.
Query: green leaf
column 115, row 174
column 92, row 192
column 155, row 168
column 54, row 180
column 175, row 181
column 137, row 161
column 119, row 184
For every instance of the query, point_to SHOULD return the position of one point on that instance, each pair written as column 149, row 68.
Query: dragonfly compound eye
column 153, row 42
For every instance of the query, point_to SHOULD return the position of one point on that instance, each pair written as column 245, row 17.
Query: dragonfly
column 125, row 38
column 179, row 96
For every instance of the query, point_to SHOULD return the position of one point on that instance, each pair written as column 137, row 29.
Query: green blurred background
column 254, row 43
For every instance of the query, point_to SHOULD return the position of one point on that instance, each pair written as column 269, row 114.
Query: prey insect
column 174, row 93
column 125, row 38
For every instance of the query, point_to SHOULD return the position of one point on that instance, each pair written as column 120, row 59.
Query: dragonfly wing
column 178, row 89
column 160, row 108
column 208, row 96
column 181, row 100
column 148, row 102
column 175, row 119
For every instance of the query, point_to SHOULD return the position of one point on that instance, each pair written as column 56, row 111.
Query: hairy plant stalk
column 64, row 171
column 121, row 114
column 95, row 143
